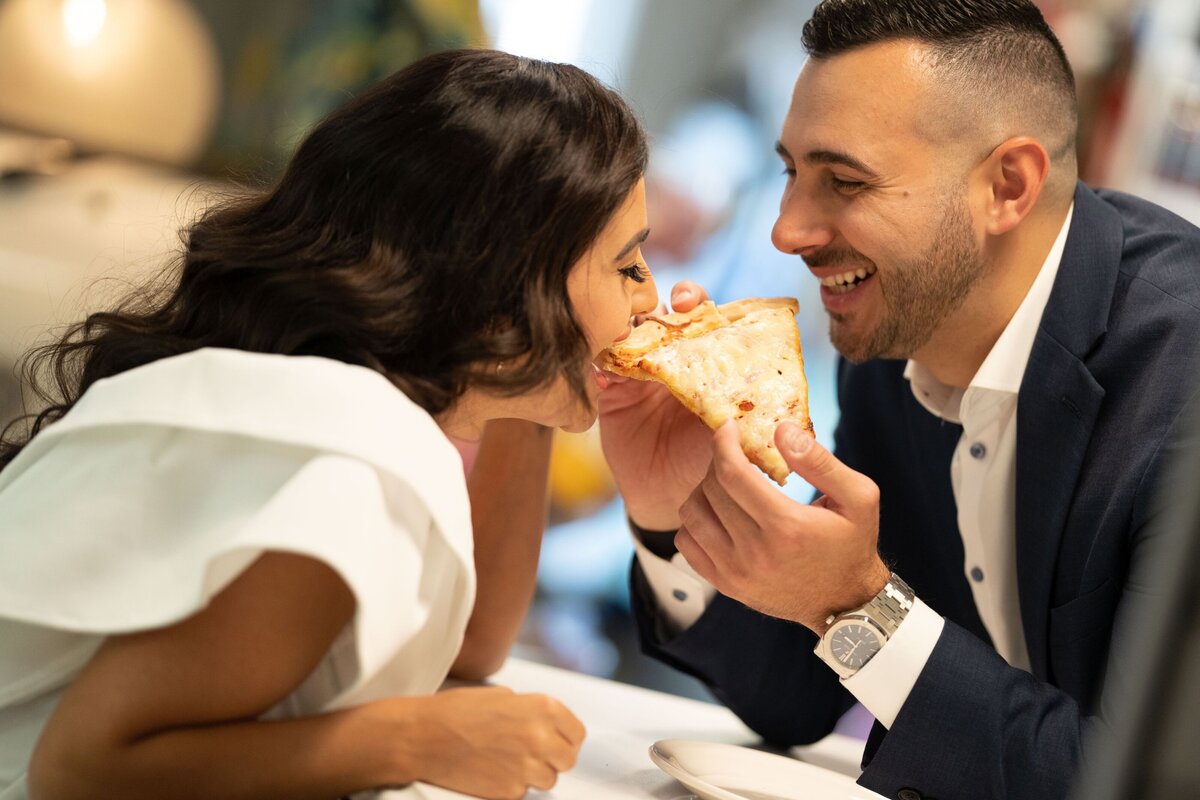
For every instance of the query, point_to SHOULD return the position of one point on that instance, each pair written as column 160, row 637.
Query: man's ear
column 1013, row 177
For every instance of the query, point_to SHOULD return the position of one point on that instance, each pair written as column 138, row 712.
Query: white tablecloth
column 622, row 722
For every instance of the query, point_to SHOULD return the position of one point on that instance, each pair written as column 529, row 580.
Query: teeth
column 847, row 278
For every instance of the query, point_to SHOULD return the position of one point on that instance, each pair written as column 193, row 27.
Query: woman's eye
column 635, row 272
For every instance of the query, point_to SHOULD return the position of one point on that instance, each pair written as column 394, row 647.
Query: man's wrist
column 659, row 542
column 852, row 638
column 873, row 582
column 652, row 515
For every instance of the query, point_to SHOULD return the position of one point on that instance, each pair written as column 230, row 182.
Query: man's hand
column 771, row 553
column 657, row 449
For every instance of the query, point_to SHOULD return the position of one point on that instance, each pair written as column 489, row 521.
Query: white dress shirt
column 164, row 482
column 983, row 479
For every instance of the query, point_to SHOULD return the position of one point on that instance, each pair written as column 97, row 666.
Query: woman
column 235, row 556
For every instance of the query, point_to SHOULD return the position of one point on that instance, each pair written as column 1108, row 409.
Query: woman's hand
column 657, row 449
column 491, row 742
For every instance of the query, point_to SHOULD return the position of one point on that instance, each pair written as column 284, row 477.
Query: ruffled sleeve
column 127, row 525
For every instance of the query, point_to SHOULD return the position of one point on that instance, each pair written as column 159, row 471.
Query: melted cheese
column 751, row 370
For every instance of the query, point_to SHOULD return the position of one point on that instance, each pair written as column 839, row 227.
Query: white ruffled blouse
column 164, row 482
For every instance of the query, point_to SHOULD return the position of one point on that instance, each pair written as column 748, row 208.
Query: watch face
column 853, row 644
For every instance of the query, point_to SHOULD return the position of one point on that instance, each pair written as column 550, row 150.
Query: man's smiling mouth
column 846, row 281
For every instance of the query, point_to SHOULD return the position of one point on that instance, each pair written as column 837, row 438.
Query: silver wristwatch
column 854, row 637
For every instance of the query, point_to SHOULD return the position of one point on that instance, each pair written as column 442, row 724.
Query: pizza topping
column 671, row 325
column 718, row 360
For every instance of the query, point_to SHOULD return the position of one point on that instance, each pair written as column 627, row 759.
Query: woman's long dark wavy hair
column 424, row 229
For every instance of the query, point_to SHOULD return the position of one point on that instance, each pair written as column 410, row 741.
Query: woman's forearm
column 508, row 511
column 319, row 757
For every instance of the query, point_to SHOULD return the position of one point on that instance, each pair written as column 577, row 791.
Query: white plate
column 728, row 772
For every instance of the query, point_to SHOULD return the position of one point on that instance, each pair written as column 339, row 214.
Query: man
column 1018, row 348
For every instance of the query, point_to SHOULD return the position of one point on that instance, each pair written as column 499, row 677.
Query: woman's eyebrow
column 634, row 242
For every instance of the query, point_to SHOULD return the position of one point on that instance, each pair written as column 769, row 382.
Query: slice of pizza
column 740, row 361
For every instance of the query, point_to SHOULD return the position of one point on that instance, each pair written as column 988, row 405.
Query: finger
column 695, row 556
column 733, row 517
column 742, row 481
column 543, row 777
column 621, row 395
column 851, row 493
column 569, row 726
column 686, row 295
column 561, row 757
column 704, row 526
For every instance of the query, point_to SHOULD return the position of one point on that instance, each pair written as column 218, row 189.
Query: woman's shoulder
column 308, row 401
column 266, row 402
column 201, row 386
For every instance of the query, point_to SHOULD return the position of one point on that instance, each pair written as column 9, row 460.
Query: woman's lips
column 600, row 377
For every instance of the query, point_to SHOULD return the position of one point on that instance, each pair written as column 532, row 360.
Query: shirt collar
column 1004, row 367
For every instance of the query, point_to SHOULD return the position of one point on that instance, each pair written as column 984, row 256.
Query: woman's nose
column 645, row 296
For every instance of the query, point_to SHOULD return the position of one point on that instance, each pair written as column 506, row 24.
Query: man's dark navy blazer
column 1099, row 413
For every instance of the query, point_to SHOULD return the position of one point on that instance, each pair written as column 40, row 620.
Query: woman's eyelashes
column 638, row 273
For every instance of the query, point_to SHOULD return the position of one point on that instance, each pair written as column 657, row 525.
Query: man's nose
column 802, row 224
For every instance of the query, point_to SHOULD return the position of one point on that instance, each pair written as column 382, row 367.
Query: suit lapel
column 1057, row 407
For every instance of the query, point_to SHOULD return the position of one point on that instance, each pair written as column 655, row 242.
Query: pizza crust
column 741, row 361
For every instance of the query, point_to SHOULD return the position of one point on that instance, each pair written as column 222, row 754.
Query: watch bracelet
column 893, row 605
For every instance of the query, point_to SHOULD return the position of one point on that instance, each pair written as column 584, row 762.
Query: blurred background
column 120, row 118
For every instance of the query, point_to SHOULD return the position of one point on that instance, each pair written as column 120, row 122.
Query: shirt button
column 976, row 574
column 679, row 594
column 978, row 451
column 909, row 794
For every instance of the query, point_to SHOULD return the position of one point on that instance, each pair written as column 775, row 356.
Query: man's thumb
column 807, row 458
column 793, row 441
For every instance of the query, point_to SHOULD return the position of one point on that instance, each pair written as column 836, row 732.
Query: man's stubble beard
column 917, row 295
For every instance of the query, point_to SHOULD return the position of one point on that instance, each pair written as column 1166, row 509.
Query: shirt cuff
column 884, row 682
column 681, row 594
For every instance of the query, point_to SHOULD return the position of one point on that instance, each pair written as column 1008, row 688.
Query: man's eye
column 848, row 187
column 635, row 272
column 789, row 171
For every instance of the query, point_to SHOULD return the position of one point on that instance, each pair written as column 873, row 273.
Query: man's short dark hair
column 989, row 48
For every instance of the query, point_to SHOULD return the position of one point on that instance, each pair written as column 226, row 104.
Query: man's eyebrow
column 634, row 242
column 829, row 157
